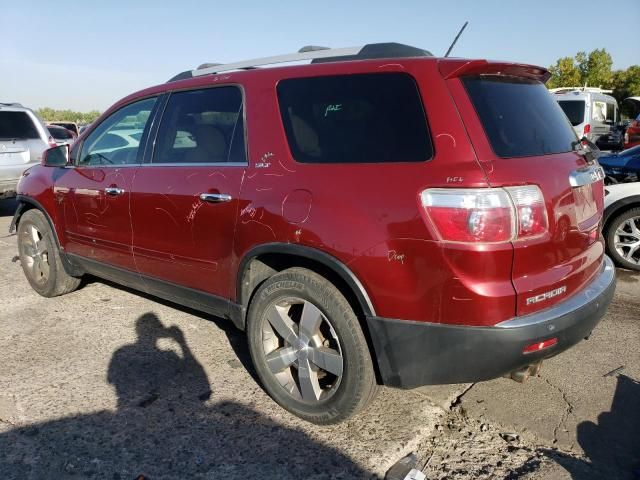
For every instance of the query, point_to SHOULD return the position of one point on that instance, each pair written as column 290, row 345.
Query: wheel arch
column 262, row 261
column 25, row 204
column 618, row 207
column 28, row 203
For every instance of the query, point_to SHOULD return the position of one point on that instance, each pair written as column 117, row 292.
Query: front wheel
column 623, row 239
column 40, row 258
column 308, row 348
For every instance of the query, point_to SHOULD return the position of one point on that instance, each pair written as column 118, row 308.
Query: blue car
column 622, row 167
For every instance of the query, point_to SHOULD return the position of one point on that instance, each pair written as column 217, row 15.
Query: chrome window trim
column 194, row 164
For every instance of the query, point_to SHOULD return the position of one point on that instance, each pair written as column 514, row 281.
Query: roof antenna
column 456, row 39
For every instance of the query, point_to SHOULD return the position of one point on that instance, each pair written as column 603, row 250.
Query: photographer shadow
column 167, row 426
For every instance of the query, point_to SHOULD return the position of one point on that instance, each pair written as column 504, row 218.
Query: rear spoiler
column 455, row 68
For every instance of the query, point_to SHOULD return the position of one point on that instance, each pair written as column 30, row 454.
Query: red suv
column 379, row 216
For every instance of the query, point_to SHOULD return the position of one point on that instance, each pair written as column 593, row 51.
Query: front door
column 93, row 196
column 185, row 201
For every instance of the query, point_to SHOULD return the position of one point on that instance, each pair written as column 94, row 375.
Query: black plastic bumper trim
column 411, row 354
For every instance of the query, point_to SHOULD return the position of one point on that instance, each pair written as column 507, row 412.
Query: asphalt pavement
column 106, row 382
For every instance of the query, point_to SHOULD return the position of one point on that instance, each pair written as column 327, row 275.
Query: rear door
column 522, row 137
column 185, row 201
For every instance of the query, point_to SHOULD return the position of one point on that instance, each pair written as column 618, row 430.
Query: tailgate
column 14, row 152
column 522, row 137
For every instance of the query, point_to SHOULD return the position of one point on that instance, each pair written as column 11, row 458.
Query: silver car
column 23, row 138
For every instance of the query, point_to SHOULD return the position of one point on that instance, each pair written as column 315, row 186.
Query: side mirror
column 56, row 156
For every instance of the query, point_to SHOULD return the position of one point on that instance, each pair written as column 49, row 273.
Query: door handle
column 114, row 191
column 215, row 197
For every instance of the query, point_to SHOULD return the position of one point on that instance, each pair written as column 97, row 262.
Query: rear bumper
column 8, row 188
column 411, row 354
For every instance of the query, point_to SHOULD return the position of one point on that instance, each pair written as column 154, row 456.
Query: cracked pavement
column 578, row 419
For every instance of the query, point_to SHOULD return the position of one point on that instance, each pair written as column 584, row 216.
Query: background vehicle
column 622, row 224
column 593, row 114
column 632, row 133
column 23, row 138
column 61, row 135
column 68, row 125
column 622, row 166
column 399, row 219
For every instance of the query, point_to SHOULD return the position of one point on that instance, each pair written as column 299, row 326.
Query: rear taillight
column 52, row 142
column 486, row 215
column 587, row 129
column 531, row 212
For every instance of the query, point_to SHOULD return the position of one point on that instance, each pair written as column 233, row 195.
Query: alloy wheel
column 302, row 350
column 627, row 240
column 36, row 254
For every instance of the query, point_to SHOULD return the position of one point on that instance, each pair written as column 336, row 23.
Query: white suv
column 23, row 138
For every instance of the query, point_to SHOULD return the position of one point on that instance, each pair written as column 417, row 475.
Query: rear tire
column 623, row 239
column 308, row 348
column 40, row 257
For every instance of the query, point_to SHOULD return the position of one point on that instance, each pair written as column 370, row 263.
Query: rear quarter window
column 520, row 117
column 364, row 118
column 17, row 125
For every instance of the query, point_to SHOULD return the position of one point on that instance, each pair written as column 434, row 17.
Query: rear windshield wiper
column 587, row 149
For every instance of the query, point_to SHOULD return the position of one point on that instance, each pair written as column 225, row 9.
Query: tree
column 564, row 73
column 626, row 83
column 52, row 115
column 596, row 68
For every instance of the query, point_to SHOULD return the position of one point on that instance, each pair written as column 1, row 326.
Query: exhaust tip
column 523, row 374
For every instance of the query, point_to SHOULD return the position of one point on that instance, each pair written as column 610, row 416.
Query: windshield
column 574, row 110
column 519, row 115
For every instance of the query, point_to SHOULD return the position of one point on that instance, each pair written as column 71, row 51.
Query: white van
column 593, row 114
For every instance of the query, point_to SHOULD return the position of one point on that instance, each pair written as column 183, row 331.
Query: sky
column 86, row 55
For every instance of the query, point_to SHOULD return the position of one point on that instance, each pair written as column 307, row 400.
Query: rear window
column 370, row 118
column 574, row 110
column 17, row 125
column 519, row 116
column 60, row 133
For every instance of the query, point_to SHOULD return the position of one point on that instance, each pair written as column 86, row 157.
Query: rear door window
column 17, row 125
column 202, row 126
column 520, row 117
column 367, row 118
column 574, row 110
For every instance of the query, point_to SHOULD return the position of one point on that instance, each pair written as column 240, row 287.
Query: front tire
column 623, row 239
column 40, row 257
column 308, row 348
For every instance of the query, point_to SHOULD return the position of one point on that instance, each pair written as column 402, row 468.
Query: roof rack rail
column 10, row 104
column 314, row 53
column 579, row 89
